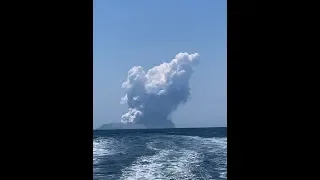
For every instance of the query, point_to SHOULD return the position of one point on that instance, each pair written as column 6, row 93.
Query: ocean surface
column 180, row 153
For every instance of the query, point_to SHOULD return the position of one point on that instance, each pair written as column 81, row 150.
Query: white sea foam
column 214, row 143
column 178, row 161
column 217, row 146
column 104, row 147
column 164, row 164
column 223, row 175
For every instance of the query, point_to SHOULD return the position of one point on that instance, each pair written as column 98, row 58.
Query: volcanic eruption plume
column 153, row 95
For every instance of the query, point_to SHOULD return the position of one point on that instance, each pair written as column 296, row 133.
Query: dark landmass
column 167, row 124
column 122, row 126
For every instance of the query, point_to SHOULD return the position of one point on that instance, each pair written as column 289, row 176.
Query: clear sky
column 127, row 33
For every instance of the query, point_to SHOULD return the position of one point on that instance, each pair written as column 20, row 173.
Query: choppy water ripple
column 160, row 154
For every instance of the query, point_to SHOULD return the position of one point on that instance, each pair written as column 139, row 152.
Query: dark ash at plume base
column 152, row 96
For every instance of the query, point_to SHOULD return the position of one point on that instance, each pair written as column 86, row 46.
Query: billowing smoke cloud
column 153, row 96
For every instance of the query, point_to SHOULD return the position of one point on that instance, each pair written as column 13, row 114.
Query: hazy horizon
column 167, row 128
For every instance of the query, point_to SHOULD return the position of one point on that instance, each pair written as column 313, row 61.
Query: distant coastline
column 119, row 126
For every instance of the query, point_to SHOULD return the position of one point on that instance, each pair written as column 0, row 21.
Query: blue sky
column 127, row 33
